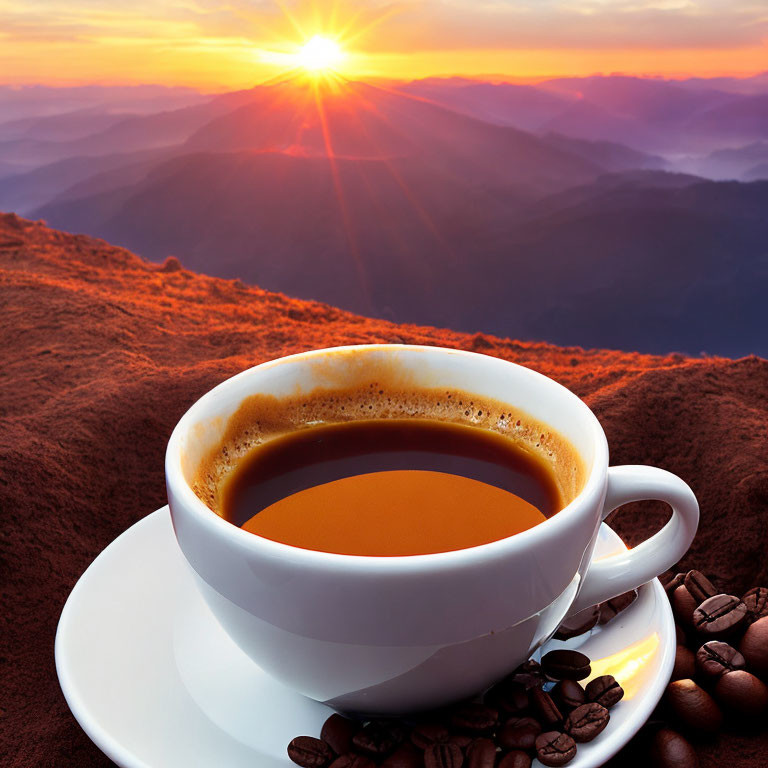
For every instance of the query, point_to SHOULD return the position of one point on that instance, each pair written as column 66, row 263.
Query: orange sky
column 215, row 44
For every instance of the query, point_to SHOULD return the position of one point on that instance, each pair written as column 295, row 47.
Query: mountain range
column 648, row 114
column 574, row 211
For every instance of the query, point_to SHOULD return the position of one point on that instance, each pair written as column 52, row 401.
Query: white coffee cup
column 388, row 635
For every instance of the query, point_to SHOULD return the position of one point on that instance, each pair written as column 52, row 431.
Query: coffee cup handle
column 610, row 576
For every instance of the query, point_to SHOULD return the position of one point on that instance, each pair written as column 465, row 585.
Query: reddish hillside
column 103, row 351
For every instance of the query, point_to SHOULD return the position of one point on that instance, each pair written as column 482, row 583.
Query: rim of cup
column 255, row 545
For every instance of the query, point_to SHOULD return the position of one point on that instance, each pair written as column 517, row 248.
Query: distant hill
column 25, row 191
column 607, row 189
column 397, row 240
column 648, row 100
column 609, row 155
column 366, row 122
column 744, row 85
column 129, row 134
column 8, row 169
column 584, row 119
column 64, row 127
column 19, row 102
column 648, row 114
column 163, row 128
column 687, row 265
column 656, row 264
column 758, row 172
column 736, row 122
column 522, row 106
column 735, row 163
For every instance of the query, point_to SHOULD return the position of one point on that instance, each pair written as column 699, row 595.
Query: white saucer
column 156, row 683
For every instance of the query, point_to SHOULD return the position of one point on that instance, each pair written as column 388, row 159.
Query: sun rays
column 322, row 37
column 319, row 68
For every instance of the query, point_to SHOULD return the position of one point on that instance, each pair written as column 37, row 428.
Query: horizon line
column 486, row 77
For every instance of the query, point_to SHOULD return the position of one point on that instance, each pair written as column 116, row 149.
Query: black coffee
column 390, row 487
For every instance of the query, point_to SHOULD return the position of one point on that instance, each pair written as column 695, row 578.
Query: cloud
column 32, row 25
column 34, row 33
column 597, row 24
column 409, row 26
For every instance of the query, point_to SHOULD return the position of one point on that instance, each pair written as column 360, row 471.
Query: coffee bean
column 398, row 729
column 742, row 693
column 461, row 740
column 508, row 697
column 405, row 756
column 700, row 587
column 378, row 738
column 693, row 706
column 443, row 756
column 528, row 667
column 683, row 605
column 554, row 748
column 671, row 583
column 309, row 752
column 586, row 722
column 564, row 664
column 515, row 759
column 613, row 607
column 481, row 753
column 715, row 658
column 756, row 601
column 680, row 635
column 351, row 760
column 685, row 663
column 424, row 735
column 476, row 718
column 337, row 733
column 519, row 733
column 579, row 624
column 568, row 695
column 604, row 690
column 754, row 647
column 670, row 750
column 719, row 616
column 529, row 674
column 545, row 708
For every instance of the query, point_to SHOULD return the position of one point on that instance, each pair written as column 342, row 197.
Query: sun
column 319, row 54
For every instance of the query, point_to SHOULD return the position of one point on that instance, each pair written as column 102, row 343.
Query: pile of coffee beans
column 540, row 710
column 721, row 666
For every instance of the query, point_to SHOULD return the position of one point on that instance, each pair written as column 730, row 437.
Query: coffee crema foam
column 261, row 418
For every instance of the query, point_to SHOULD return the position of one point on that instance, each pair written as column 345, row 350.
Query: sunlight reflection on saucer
column 628, row 665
